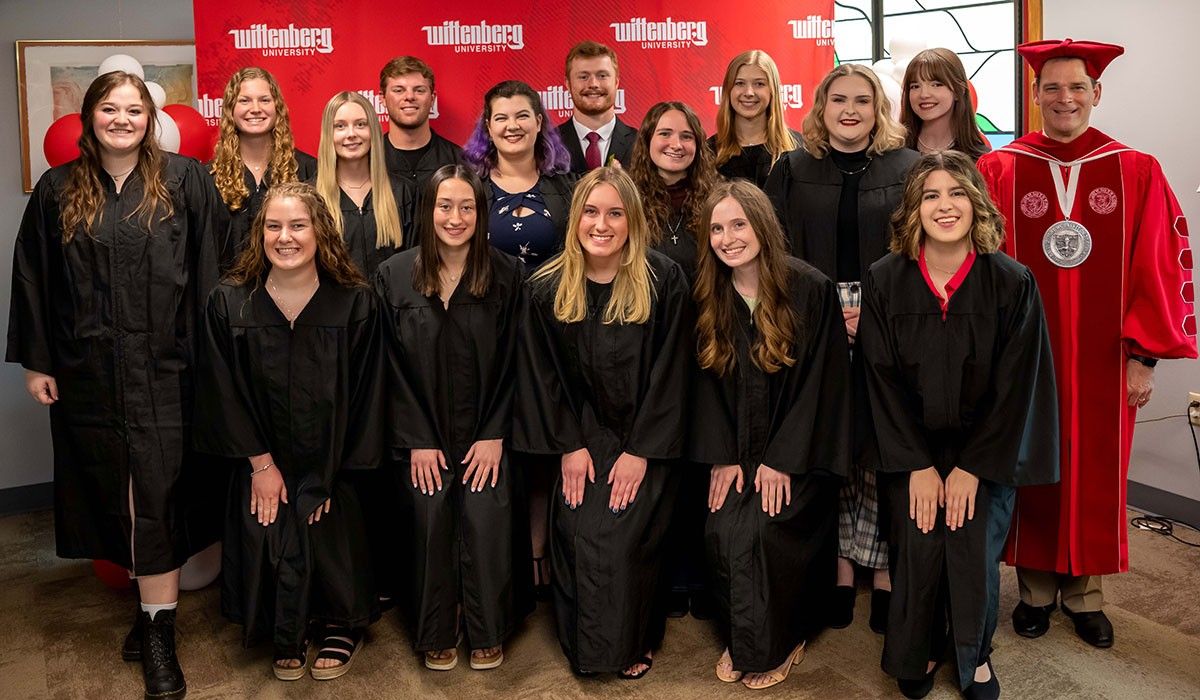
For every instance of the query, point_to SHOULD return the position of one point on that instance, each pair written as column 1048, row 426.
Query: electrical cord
column 1166, row 526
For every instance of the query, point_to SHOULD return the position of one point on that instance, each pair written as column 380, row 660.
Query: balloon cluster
column 890, row 71
column 179, row 128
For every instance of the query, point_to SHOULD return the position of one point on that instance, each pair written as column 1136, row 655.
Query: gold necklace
column 942, row 270
column 355, row 187
column 118, row 176
column 273, row 290
column 927, row 147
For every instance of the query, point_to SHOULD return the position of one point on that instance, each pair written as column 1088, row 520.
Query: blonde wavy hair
column 632, row 288
column 226, row 165
column 83, row 194
column 779, row 138
column 388, row 231
column 887, row 135
column 987, row 224
column 776, row 322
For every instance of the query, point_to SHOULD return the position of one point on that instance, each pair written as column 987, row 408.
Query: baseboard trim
column 23, row 499
column 1158, row 502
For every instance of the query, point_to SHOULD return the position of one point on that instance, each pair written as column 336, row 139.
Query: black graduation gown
column 973, row 388
column 770, row 576
column 611, row 388
column 680, row 246
column 440, row 152
column 359, row 231
column 805, row 191
column 752, row 164
column 311, row 396
column 233, row 227
column 112, row 317
column 452, row 380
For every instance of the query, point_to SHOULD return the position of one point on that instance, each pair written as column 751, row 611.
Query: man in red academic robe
column 1103, row 234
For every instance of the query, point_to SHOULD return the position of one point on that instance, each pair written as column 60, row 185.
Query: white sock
column 154, row 609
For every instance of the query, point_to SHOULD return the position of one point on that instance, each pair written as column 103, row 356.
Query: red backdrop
column 672, row 49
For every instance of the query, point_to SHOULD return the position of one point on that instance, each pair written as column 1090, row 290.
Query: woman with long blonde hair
column 112, row 265
column 771, row 419
column 752, row 134
column 834, row 198
column 372, row 209
column 254, row 150
column 602, row 366
column 292, row 369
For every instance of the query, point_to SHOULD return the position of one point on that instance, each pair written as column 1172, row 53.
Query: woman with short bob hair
column 834, row 198
column 962, row 388
column 771, row 411
column 935, row 105
column 752, row 134
column 602, row 366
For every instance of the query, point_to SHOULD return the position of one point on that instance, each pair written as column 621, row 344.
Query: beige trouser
column 1079, row 593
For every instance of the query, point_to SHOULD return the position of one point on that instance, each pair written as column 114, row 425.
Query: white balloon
column 883, row 66
column 157, row 94
column 899, row 68
column 168, row 133
column 903, row 49
column 122, row 62
column 891, row 88
column 202, row 569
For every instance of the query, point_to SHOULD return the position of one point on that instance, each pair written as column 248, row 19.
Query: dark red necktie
column 592, row 154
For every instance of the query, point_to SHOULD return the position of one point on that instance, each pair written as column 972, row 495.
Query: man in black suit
column 594, row 135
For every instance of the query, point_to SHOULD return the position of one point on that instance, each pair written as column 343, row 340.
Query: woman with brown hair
column 254, row 151
column 834, row 198
column 936, row 108
column 112, row 266
column 752, row 134
column 673, row 169
column 601, row 368
column 292, row 370
column 770, row 411
column 451, row 307
column 962, row 388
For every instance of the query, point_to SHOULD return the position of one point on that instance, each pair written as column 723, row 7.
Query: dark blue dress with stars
column 533, row 238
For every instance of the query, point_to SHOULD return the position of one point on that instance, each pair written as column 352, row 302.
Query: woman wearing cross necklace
column 254, row 151
column 834, row 198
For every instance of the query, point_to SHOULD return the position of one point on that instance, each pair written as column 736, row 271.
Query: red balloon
column 196, row 137
column 61, row 144
column 113, row 576
column 974, row 97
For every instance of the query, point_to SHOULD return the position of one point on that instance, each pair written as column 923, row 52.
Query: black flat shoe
column 988, row 690
column 919, row 687
column 880, row 601
column 841, row 608
column 131, row 650
column 677, row 604
column 1092, row 627
column 1032, row 621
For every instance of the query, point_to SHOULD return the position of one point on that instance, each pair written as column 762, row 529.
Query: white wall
column 1150, row 102
column 25, row 456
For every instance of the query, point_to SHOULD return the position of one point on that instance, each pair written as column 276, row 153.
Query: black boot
column 160, row 667
column 131, row 650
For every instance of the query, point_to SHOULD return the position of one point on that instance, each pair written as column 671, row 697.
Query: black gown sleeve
column 544, row 418
column 815, row 431
column 902, row 444
column 202, row 204
column 1016, row 439
column 657, row 430
column 364, row 429
column 29, row 306
column 777, row 188
column 226, row 421
column 409, row 425
column 712, row 425
column 496, row 415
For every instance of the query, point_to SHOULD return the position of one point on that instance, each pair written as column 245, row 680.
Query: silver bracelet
column 256, row 472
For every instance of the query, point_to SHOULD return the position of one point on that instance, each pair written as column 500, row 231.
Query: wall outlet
column 1194, row 407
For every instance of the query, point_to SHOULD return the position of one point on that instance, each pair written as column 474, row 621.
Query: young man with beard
column 414, row 150
column 1102, row 232
column 594, row 135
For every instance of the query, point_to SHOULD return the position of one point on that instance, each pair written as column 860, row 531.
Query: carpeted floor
column 63, row 631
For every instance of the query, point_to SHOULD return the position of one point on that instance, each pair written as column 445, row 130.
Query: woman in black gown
column 603, row 362
column 962, row 388
column 752, row 134
column 771, row 411
column 834, row 198
column 112, row 264
column 292, row 371
column 451, row 307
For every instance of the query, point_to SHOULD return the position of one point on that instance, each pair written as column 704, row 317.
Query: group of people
column 639, row 369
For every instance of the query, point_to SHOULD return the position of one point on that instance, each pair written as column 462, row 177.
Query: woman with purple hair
column 525, row 168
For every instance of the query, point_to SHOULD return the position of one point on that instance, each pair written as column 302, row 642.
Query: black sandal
column 290, row 673
column 647, row 660
column 339, row 644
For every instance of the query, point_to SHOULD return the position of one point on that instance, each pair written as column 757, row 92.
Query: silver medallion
column 1067, row 243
